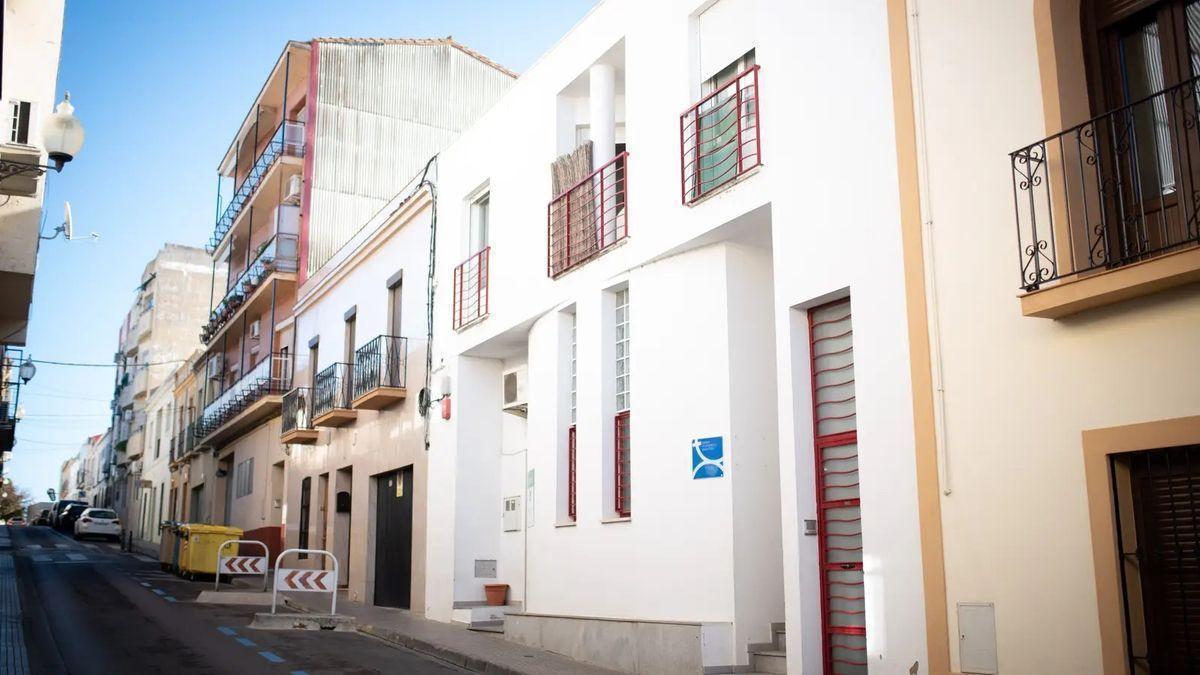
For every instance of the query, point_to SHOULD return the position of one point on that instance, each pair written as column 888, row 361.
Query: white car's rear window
column 101, row 514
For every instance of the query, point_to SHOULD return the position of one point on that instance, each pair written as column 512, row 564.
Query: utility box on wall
column 512, row 514
column 977, row 638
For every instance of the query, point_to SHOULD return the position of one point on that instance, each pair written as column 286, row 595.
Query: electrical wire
column 108, row 365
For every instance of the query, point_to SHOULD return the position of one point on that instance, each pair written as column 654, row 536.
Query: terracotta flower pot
column 497, row 594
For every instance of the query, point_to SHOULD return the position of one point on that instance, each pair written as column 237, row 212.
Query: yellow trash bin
column 199, row 544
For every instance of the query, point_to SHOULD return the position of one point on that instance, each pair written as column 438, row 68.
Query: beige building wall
column 1020, row 393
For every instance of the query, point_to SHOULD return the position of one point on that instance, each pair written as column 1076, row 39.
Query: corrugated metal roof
column 448, row 40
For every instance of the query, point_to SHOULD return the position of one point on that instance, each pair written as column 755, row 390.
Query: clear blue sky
column 161, row 88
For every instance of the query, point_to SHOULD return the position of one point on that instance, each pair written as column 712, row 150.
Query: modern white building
column 671, row 304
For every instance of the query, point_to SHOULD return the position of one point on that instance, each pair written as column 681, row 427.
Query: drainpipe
column 931, row 287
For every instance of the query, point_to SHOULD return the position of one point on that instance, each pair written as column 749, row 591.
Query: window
column 571, row 461
column 395, row 308
column 244, row 478
column 313, row 353
column 480, row 216
column 348, row 356
column 20, row 120
column 621, row 436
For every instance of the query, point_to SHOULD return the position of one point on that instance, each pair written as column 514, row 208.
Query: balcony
column 1108, row 210
column 287, row 141
column 471, row 289
column 719, row 139
column 380, row 373
column 252, row 399
column 279, row 254
column 332, row 396
column 184, row 443
column 298, row 417
column 587, row 219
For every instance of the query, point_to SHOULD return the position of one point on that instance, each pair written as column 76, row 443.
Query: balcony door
column 1144, row 59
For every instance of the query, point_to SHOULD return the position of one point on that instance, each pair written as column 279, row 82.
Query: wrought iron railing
column 272, row 375
column 719, row 137
column 185, row 442
column 10, row 388
column 588, row 218
column 280, row 252
column 471, row 293
column 288, row 140
column 1118, row 189
column 298, row 409
column 332, row 389
column 382, row 362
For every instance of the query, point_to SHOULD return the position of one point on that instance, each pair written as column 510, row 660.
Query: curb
column 472, row 663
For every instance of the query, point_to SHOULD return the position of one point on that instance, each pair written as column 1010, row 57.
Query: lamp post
column 62, row 138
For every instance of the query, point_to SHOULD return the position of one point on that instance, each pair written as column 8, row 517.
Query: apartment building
column 339, row 126
column 158, row 332
column 151, row 473
column 68, row 476
column 1053, row 160
column 89, row 481
column 31, row 40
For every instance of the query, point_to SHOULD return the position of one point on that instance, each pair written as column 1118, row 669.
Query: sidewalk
column 480, row 652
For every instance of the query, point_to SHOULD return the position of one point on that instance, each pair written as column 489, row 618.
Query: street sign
column 241, row 564
column 306, row 580
column 708, row 457
column 316, row 581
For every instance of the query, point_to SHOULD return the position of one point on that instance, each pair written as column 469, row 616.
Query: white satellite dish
column 68, row 227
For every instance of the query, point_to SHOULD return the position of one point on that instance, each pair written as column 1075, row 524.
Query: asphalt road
column 88, row 608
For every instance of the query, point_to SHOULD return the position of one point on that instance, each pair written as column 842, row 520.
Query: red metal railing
column 471, row 293
column 719, row 137
column 622, row 466
column 571, row 473
column 588, row 218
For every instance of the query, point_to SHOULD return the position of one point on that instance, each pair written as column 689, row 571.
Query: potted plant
column 497, row 594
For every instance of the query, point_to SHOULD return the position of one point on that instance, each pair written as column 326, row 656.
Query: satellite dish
column 68, row 227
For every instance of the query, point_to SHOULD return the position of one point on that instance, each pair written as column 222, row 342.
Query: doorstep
column 455, row 644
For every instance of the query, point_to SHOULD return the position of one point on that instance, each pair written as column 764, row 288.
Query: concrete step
column 769, row 661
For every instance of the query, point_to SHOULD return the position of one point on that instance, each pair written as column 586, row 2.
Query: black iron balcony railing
column 272, row 375
column 1118, row 189
column 298, row 409
column 279, row 253
column 382, row 362
column 288, row 140
column 332, row 389
column 185, row 443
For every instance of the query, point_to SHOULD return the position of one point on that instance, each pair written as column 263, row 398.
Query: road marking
column 297, row 672
column 77, row 557
column 245, row 642
column 144, row 584
column 227, row 630
column 273, row 658
column 145, row 559
column 35, row 547
column 62, row 546
column 169, row 598
column 42, row 558
column 158, row 591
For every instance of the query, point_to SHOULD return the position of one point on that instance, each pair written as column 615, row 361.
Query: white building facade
column 645, row 390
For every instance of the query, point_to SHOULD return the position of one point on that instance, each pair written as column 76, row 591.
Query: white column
column 602, row 79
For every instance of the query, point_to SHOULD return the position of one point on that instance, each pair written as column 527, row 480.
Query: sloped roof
column 448, row 40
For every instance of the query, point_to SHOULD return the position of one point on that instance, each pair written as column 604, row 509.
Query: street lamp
column 62, row 138
column 28, row 370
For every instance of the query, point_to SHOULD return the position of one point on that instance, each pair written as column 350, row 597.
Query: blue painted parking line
column 297, row 672
column 245, row 642
column 170, row 598
column 273, row 658
column 158, row 591
column 227, row 630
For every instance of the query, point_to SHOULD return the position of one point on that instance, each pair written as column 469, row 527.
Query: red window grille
column 719, row 137
column 571, row 473
column 471, row 294
column 624, row 501
column 588, row 218
column 839, row 513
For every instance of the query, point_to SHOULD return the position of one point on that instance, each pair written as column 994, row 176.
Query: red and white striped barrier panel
column 241, row 564
column 244, row 564
column 305, row 580
column 291, row 580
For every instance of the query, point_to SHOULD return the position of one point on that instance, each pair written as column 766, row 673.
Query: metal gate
column 839, row 517
column 1157, row 495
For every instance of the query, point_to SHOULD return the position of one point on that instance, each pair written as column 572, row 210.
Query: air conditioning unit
column 256, row 329
column 215, row 366
column 294, row 186
column 514, row 391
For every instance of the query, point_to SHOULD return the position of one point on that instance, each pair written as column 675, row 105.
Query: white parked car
column 98, row 523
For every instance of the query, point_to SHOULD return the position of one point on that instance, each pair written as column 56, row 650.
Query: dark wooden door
column 393, row 538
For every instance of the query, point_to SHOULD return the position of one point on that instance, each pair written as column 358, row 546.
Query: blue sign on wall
column 708, row 458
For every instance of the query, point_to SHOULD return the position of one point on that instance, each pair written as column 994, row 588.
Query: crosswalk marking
column 62, row 546
column 41, row 558
column 76, row 557
column 145, row 559
column 35, row 547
